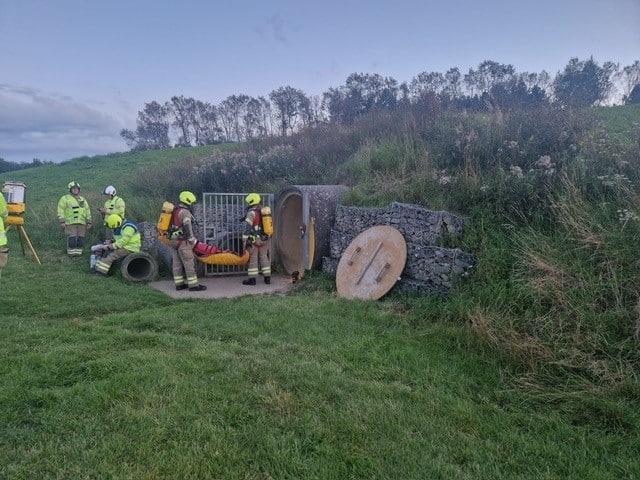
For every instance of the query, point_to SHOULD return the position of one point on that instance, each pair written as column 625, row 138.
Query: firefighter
column 4, row 250
column 256, row 242
column 74, row 216
column 126, row 240
column 182, row 240
column 113, row 204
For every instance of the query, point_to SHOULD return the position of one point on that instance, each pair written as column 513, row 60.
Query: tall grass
column 107, row 379
column 570, row 321
column 528, row 369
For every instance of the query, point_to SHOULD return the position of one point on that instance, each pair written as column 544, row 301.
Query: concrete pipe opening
column 232, row 242
column 139, row 267
column 304, row 215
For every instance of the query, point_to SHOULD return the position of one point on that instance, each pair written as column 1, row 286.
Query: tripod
column 18, row 222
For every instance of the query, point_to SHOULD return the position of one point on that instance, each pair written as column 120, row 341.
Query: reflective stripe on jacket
column 3, row 213
column 127, row 237
column 74, row 210
column 181, row 223
column 3, row 235
column 114, row 205
column 253, row 227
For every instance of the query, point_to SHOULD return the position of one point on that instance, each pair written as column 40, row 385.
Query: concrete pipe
column 303, row 217
column 139, row 267
column 232, row 241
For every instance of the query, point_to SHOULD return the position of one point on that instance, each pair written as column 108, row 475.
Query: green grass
column 47, row 183
column 104, row 379
column 100, row 378
column 620, row 120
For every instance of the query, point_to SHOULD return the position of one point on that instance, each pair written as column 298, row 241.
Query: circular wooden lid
column 372, row 263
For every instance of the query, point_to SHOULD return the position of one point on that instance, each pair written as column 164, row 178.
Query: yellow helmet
column 187, row 198
column 114, row 221
column 73, row 184
column 252, row 199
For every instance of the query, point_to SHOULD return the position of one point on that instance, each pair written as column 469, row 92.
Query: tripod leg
column 26, row 237
column 19, row 227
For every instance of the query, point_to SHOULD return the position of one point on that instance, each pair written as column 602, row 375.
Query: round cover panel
column 372, row 263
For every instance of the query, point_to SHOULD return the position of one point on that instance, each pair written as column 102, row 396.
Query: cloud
column 275, row 28
column 35, row 124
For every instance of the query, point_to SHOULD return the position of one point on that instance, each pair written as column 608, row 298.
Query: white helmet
column 109, row 190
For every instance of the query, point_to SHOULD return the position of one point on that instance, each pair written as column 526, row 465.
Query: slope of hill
column 527, row 370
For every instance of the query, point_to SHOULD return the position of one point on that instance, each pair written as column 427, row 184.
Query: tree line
column 183, row 122
column 6, row 166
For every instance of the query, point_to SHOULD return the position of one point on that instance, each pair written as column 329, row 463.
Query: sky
column 74, row 73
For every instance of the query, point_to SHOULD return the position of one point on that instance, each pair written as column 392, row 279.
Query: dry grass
column 527, row 350
column 548, row 280
column 572, row 212
column 577, row 289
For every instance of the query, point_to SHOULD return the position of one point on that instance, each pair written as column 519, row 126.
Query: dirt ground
column 226, row 287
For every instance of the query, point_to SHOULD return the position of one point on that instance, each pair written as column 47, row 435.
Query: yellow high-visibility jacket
column 3, row 213
column 114, row 205
column 127, row 236
column 74, row 210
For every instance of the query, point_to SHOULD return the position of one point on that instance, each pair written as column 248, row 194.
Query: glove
column 192, row 241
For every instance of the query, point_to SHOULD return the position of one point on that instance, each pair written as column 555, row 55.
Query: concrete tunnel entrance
column 304, row 215
column 139, row 267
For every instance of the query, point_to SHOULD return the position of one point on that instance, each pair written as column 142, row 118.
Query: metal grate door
column 223, row 217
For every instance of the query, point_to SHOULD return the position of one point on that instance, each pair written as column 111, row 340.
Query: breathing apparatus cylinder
column 164, row 222
column 267, row 220
column 95, row 253
column 96, row 248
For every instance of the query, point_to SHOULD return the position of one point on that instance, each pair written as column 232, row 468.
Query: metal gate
column 222, row 225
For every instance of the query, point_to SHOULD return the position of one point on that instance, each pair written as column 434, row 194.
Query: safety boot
column 267, row 280
column 181, row 287
column 249, row 281
column 197, row 288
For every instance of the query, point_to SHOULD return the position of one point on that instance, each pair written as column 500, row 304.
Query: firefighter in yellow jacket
column 126, row 240
column 4, row 250
column 113, row 204
column 256, row 242
column 74, row 216
column 182, row 239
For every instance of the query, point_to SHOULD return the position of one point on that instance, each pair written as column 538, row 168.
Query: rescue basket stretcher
column 212, row 255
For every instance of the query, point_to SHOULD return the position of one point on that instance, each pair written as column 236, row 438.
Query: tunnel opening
column 304, row 215
column 139, row 267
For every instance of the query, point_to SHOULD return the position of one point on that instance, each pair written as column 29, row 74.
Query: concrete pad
column 228, row 286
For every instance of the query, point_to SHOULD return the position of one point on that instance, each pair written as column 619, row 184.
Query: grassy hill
column 527, row 370
column 47, row 183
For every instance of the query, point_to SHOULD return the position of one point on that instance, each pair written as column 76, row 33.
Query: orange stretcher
column 213, row 255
